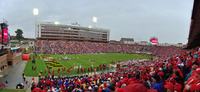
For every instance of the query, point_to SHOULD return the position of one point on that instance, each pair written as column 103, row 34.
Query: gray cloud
column 168, row 20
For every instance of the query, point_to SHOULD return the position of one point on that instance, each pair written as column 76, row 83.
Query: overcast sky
column 169, row 20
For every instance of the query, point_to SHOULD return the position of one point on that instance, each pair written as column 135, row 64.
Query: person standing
column 23, row 76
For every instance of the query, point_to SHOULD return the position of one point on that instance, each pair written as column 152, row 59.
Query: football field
column 68, row 64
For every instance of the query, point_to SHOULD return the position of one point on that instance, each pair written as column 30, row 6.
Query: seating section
column 175, row 70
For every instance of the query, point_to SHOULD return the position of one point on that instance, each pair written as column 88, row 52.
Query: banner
column 154, row 40
column 4, row 36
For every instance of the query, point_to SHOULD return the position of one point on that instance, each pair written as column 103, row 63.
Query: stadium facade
column 50, row 31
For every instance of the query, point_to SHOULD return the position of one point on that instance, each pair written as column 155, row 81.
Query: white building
column 52, row 31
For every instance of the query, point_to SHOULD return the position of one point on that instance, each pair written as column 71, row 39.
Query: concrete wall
column 14, row 58
column 3, row 63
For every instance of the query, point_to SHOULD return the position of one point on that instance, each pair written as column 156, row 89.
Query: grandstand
column 168, row 72
column 175, row 69
column 71, row 58
column 77, row 47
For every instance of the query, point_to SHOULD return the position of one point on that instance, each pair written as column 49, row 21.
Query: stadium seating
column 175, row 70
column 76, row 47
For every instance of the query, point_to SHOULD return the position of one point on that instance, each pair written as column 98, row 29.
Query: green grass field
column 12, row 90
column 77, row 60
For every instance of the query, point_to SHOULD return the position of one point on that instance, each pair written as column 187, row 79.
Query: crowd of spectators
column 175, row 70
column 77, row 47
column 179, row 73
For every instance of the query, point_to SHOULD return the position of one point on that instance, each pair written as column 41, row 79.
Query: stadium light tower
column 94, row 20
column 35, row 13
column 89, row 26
column 56, row 22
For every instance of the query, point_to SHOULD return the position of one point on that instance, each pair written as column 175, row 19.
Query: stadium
column 74, row 58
